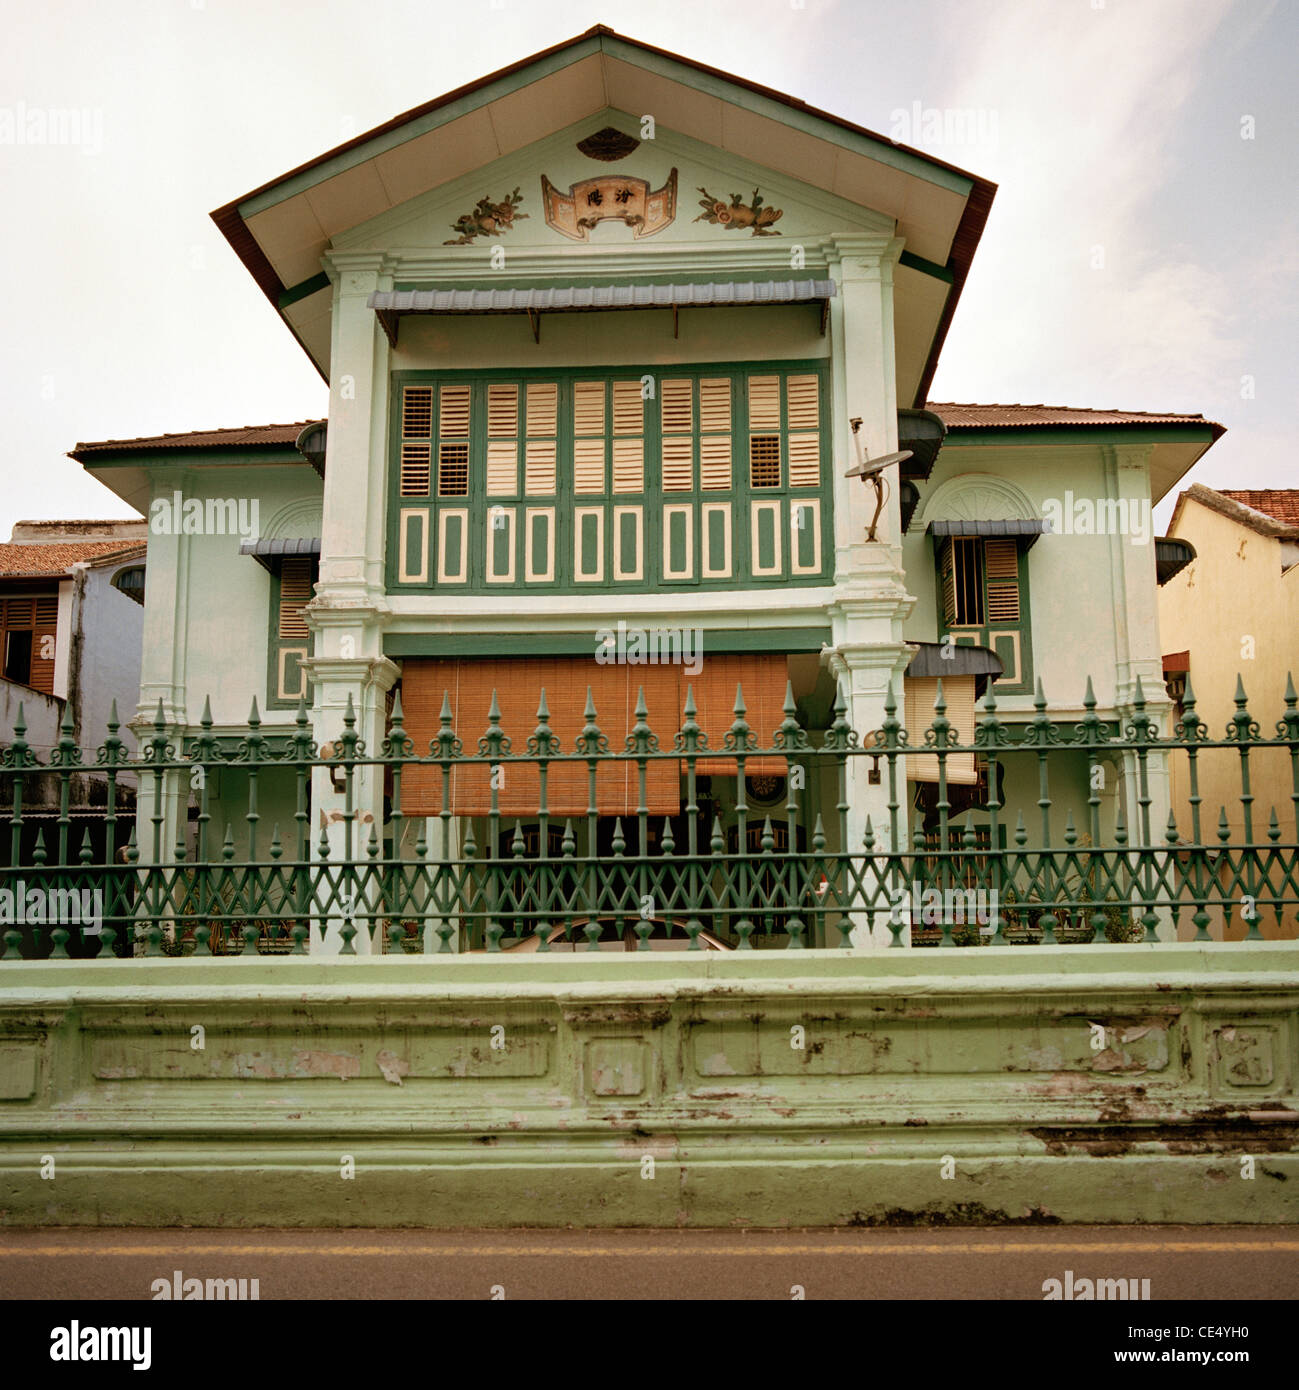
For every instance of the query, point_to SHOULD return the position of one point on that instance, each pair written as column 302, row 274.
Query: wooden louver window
column 295, row 593
column 453, row 448
column 589, row 436
column 502, row 440
column 803, row 420
column 628, row 441
column 714, row 434
column 542, row 429
column 416, row 440
column 1001, row 566
column 678, row 445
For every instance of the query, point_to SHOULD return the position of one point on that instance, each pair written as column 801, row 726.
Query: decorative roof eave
column 950, row 256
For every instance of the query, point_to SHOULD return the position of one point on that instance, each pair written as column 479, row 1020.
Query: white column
column 349, row 612
column 871, row 600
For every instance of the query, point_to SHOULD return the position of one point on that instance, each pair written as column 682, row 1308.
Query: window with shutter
column 713, row 477
column 28, row 629
column 982, row 598
column 1001, row 565
column 416, row 440
column 628, row 437
column 588, row 437
column 453, row 441
column 293, row 589
column 44, row 633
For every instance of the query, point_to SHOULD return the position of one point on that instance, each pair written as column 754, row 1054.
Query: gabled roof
column 1280, row 520
column 281, row 229
column 34, row 561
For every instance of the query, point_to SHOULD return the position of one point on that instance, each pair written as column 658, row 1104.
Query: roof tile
column 33, row 561
column 239, row 437
column 1281, row 504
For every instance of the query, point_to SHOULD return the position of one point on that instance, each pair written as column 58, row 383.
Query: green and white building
column 606, row 333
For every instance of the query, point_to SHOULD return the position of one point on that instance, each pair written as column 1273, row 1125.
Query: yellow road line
column 642, row 1251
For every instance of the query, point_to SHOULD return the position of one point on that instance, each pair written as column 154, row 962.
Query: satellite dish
column 868, row 468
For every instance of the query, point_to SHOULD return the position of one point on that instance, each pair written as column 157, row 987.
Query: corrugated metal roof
column 957, row 416
column 298, row 545
column 1032, row 528
column 576, row 297
column 267, row 552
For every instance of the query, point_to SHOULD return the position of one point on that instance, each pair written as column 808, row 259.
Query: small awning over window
column 1024, row 531
column 1171, row 557
column 390, row 305
column 268, row 552
column 942, row 661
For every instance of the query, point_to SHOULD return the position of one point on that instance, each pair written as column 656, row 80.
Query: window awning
column 1171, row 557
column 266, row 552
column 391, row 305
column 1026, row 531
column 937, row 659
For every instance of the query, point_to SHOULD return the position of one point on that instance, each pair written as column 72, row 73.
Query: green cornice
column 781, row 639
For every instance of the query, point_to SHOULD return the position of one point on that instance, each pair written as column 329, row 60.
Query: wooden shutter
column 1001, row 568
column 628, row 452
column 947, row 579
column 44, row 634
column 295, row 594
column 589, row 437
column 764, row 403
column 715, row 434
column 677, row 403
column 678, row 463
column 416, row 440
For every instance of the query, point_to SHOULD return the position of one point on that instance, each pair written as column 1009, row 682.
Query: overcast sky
column 1143, row 249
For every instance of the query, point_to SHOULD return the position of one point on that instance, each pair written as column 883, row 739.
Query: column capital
column 340, row 264
column 378, row 671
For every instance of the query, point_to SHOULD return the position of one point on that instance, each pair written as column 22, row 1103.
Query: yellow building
column 1234, row 610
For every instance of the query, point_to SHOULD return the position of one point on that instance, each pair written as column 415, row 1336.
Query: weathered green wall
column 980, row 1064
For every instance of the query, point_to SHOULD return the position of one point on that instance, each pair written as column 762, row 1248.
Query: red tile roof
column 52, row 561
column 961, row 416
column 1281, row 504
column 240, row 437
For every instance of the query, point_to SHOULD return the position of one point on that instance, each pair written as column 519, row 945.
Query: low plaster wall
column 924, row 1087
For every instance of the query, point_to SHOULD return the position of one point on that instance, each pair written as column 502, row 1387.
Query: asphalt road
column 1181, row 1262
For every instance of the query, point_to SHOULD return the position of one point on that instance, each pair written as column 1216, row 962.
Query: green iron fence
column 943, row 864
